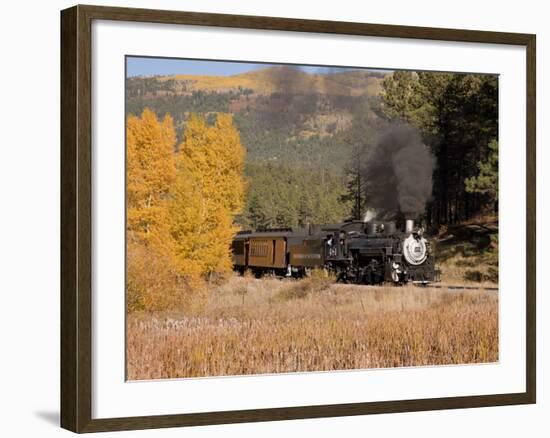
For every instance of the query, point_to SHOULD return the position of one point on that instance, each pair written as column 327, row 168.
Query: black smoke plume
column 399, row 172
column 294, row 97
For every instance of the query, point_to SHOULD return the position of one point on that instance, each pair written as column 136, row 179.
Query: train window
column 259, row 248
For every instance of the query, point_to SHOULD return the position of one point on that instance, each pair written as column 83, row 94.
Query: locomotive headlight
column 415, row 250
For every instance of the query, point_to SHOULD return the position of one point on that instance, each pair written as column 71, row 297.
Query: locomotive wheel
column 342, row 278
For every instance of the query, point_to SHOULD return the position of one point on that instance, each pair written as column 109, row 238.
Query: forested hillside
column 295, row 127
column 311, row 139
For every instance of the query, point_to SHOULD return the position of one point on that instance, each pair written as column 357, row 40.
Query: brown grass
column 250, row 326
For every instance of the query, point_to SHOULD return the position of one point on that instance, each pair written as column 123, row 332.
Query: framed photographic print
column 268, row 218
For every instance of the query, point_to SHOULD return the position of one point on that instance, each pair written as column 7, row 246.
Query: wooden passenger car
column 263, row 250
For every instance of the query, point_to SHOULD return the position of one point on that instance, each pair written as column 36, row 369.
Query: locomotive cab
column 335, row 246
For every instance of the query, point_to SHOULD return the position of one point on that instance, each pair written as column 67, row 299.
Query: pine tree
column 359, row 142
column 457, row 115
column 486, row 181
column 400, row 94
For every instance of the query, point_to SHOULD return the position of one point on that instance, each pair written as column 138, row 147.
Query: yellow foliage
column 180, row 207
column 208, row 192
column 151, row 282
column 276, row 79
column 150, row 173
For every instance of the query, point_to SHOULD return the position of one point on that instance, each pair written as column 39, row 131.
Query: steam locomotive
column 370, row 252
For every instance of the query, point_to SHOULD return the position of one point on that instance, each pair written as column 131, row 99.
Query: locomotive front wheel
column 342, row 278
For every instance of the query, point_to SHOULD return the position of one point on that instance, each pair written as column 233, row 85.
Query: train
column 372, row 252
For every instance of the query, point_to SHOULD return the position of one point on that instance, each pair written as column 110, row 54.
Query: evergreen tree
column 359, row 140
column 400, row 95
column 457, row 115
column 486, row 181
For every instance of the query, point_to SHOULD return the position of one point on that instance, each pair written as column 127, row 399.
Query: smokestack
column 409, row 225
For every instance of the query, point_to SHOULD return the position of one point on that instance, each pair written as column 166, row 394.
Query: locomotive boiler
column 370, row 252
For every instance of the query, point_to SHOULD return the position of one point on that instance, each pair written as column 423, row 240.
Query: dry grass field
column 256, row 326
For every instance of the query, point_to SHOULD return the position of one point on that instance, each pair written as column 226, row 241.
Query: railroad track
column 456, row 287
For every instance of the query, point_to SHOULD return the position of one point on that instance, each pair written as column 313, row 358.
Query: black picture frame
column 76, row 218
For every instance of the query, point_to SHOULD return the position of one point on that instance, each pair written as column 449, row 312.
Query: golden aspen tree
column 208, row 193
column 230, row 155
column 150, row 173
